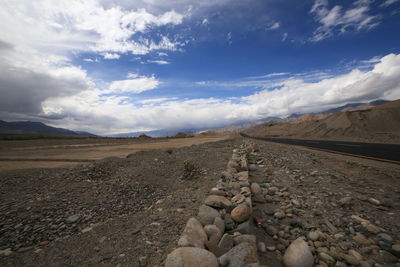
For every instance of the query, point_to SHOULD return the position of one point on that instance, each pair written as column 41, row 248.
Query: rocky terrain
column 133, row 211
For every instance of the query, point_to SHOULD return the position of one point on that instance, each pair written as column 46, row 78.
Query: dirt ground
column 56, row 153
column 131, row 211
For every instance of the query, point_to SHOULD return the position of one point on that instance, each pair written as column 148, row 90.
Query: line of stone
column 220, row 234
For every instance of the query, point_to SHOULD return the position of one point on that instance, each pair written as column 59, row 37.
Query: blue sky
column 112, row 66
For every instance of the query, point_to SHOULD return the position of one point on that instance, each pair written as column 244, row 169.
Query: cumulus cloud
column 111, row 56
column 135, row 85
column 338, row 19
column 291, row 95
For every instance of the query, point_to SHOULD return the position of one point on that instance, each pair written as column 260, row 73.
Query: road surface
column 385, row 152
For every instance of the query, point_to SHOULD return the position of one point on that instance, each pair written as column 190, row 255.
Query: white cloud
column 135, row 85
column 159, row 62
column 274, row 25
column 111, row 56
column 388, row 3
column 294, row 95
column 338, row 19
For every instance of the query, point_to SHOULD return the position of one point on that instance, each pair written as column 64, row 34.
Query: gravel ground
column 131, row 212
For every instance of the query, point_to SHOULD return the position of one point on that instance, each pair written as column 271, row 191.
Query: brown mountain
column 370, row 124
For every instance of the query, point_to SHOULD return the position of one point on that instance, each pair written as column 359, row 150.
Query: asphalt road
column 385, row 152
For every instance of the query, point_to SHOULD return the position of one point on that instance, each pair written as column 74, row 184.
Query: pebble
column 279, row 215
column 241, row 213
column 386, row 237
column 261, row 247
column 374, row 201
column 72, row 219
column 313, row 235
column 193, row 235
column 6, row 252
column 255, row 188
column 298, row 254
column 190, row 256
column 326, row 258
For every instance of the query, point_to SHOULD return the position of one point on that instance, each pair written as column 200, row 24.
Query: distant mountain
column 156, row 133
column 38, row 128
column 347, row 107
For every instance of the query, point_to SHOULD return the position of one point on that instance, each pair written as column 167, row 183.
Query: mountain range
column 37, row 129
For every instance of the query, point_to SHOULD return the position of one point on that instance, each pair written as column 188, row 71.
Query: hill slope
column 376, row 124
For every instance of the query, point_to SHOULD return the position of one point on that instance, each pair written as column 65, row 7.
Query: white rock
column 184, row 257
column 298, row 254
column 193, row 235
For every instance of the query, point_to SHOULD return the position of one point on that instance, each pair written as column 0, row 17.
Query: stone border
column 220, row 234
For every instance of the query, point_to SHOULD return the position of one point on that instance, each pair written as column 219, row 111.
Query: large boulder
column 207, row 215
column 241, row 213
column 217, row 201
column 298, row 254
column 193, row 235
column 184, row 257
column 240, row 255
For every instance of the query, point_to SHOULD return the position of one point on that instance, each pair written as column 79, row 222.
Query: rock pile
column 220, row 234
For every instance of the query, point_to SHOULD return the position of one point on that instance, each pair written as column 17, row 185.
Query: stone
column 261, row 247
column 271, row 230
column 219, row 222
column 355, row 254
column 385, row 237
column 245, row 191
column 298, row 254
column 193, row 235
column 243, row 176
column 226, row 241
column 238, row 199
column 255, row 188
column 241, row 213
column 326, row 258
column 217, row 192
column 188, row 256
column 244, row 238
column 346, row 201
column 350, row 259
column 215, row 249
column 229, row 223
column 240, row 255
column 313, row 235
column 374, row 201
column 360, row 238
column 207, row 215
column 279, row 215
column 233, row 166
column 217, row 201
column 243, row 228
column 372, row 228
column 213, row 233
column 6, row 252
column 72, row 219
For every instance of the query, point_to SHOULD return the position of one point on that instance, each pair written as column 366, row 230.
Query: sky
column 109, row 66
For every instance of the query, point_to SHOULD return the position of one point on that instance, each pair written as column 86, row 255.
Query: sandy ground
column 65, row 153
